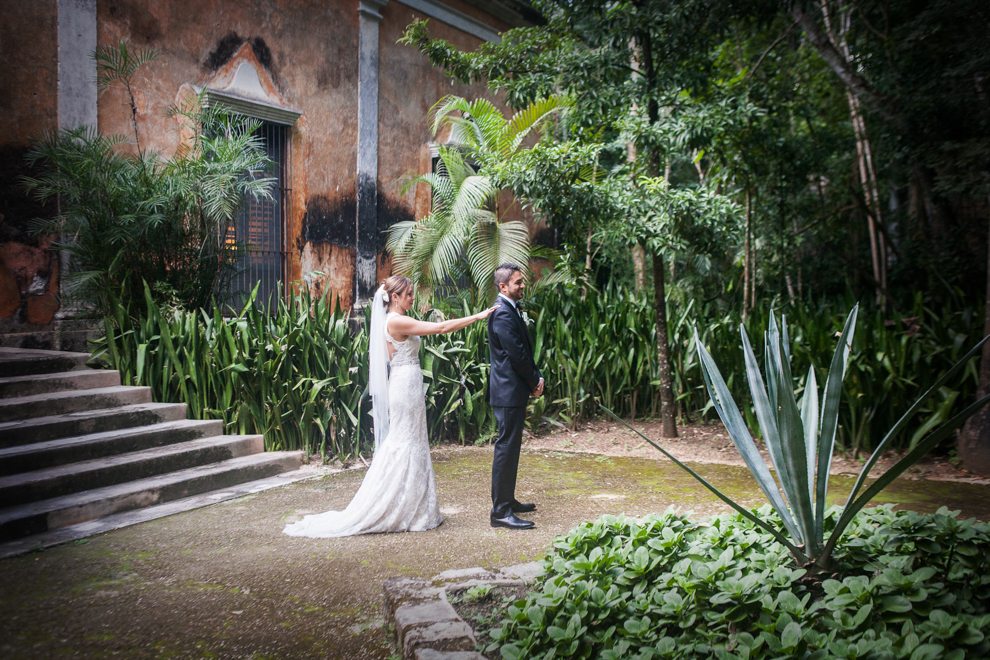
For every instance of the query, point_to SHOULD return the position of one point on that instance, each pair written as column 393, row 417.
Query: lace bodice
column 406, row 352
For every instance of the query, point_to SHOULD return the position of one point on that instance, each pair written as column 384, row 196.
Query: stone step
column 50, row 340
column 60, row 403
column 85, row 379
column 41, row 429
column 42, row 455
column 25, row 362
column 37, row 517
column 100, row 472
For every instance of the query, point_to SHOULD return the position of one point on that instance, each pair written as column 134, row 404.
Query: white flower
column 385, row 297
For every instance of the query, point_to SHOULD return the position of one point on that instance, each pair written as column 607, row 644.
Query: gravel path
column 224, row 582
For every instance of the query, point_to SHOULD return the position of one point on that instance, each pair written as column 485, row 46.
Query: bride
column 399, row 492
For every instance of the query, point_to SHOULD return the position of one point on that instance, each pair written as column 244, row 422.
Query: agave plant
column 464, row 230
column 800, row 438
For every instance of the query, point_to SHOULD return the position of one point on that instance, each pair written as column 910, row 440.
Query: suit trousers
column 506, row 462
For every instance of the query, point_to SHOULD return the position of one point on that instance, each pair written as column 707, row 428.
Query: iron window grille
column 260, row 226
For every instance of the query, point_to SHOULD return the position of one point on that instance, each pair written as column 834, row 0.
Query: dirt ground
column 224, row 582
column 709, row 443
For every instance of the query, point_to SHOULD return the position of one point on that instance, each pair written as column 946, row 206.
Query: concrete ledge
column 109, row 471
column 426, row 626
column 26, row 362
column 53, row 427
column 52, row 453
column 58, row 382
column 47, row 515
column 19, row 408
column 126, row 519
column 433, row 654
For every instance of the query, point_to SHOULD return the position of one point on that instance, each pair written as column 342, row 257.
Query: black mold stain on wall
column 229, row 45
column 141, row 23
column 390, row 211
column 546, row 237
column 329, row 220
column 225, row 50
column 17, row 209
column 262, row 52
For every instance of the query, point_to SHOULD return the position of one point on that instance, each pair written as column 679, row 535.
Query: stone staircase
column 76, row 446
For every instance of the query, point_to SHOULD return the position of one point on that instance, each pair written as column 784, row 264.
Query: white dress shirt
column 508, row 300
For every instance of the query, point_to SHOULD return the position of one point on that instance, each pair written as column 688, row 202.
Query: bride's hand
column 487, row 312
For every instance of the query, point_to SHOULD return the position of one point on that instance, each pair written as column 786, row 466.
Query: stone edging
column 426, row 625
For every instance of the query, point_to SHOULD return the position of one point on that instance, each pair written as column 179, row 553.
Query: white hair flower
column 385, row 297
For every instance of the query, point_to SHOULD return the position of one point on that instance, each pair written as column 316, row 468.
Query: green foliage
column 906, row 586
column 800, row 437
column 463, row 234
column 737, row 98
column 127, row 218
column 601, row 348
column 296, row 375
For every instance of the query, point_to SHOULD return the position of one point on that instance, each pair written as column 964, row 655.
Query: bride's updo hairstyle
column 395, row 285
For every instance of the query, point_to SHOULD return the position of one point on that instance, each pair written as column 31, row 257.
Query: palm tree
column 463, row 233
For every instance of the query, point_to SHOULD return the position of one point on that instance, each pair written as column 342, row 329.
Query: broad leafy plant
column 909, row 585
column 800, row 438
column 464, row 233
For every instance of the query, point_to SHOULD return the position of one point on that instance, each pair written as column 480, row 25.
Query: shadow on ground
column 224, row 582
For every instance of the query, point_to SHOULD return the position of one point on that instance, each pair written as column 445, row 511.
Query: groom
column 514, row 378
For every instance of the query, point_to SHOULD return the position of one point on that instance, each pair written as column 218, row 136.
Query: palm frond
column 528, row 118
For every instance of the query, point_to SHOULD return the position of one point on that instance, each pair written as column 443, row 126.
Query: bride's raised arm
column 403, row 326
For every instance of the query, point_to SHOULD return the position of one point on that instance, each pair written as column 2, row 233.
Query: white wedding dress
column 399, row 492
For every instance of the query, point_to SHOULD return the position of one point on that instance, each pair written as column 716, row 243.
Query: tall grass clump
column 297, row 373
column 602, row 349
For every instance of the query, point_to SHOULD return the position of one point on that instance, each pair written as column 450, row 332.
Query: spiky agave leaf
column 729, row 413
column 830, row 418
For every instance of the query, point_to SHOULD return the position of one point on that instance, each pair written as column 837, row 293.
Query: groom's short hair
column 504, row 273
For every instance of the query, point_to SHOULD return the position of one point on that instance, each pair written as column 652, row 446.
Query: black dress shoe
column 511, row 522
column 519, row 507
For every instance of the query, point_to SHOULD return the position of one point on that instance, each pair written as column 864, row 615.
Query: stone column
column 77, row 95
column 366, row 225
column 76, row 67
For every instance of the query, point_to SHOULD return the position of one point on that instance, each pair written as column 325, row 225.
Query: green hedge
column 298, row 374
column 906, row 586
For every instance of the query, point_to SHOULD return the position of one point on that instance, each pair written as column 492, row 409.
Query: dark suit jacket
column 513, row 374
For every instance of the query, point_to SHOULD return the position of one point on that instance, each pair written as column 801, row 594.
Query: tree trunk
column 867, row 179
column 867, row 175
column 667, row 405
column 841, row 66
column 974, row 441
column 747, row 266
column 639, row 267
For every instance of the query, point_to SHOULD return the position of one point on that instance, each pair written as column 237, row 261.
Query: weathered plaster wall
column 309, row 48
column 29, row 107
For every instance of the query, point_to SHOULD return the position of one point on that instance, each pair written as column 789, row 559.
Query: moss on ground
column 223, row 581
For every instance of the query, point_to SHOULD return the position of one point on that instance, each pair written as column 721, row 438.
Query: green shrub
column 296, row 373
column 124, row 218
column 905, row 585
column 602, row 350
